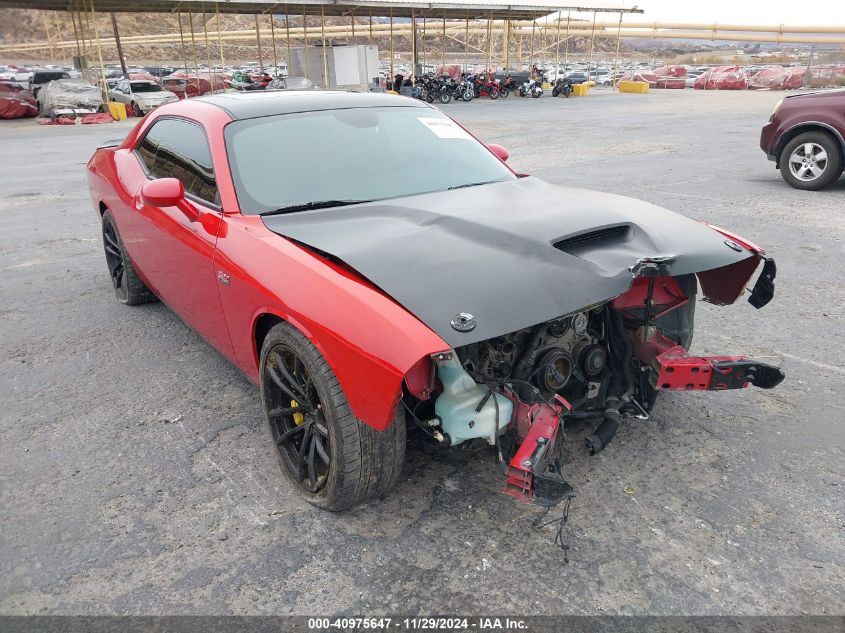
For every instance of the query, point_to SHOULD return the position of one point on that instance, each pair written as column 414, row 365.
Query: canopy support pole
column 413, row 47
column 287, row 37
column 258, row 41
column 325, row 53
column 506, row 44
column 219, row 38
column 304, row 44
column 273, row 39
column 100, row 53
column 49, row 37
column 443, row 58
column 75, row 32
column 566, row 51
column 466, row 44
column 533, row 30
column 424, row 45
column 557, row 52
column 119, row 46
column 392, row 76
column 212, row 77
column 590, row 63
column 489, row 45
column 184, row 52
column 616, row 59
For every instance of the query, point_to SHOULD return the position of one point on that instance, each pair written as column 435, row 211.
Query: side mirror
column 499, row 151
column 168, row 192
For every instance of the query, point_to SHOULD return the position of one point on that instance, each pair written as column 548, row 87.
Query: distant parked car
column 577, row 78
column 41, row 78
column 805, row 137
column 143, row 95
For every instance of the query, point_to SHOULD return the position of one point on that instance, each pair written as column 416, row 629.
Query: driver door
column 177, row 251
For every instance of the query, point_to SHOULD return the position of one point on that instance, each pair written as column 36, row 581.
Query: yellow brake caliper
column 298, row 418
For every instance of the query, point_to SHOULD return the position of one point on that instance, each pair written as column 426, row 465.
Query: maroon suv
column 805, row 136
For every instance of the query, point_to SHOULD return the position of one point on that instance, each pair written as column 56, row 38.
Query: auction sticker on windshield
column 444, row 128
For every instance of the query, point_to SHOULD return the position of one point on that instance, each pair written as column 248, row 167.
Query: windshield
column 145, row 86
column 358, row 154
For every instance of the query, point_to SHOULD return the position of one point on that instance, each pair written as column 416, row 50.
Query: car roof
column 250, row 105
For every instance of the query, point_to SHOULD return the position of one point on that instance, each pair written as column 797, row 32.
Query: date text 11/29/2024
column 421, row 623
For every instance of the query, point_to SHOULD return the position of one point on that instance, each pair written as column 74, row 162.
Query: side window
column 173, row 148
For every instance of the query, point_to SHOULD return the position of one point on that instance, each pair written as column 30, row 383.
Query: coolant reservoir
column 456, row 406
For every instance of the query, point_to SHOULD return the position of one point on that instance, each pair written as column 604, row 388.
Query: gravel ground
column 137, row 477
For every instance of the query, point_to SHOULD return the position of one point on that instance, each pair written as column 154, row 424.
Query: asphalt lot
column 136, row 474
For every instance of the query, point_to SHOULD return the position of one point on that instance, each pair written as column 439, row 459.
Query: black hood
column 512, row 254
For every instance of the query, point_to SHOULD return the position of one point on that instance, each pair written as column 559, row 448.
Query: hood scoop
column 594, row 239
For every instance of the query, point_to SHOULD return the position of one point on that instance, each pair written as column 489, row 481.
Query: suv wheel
column 811, row 161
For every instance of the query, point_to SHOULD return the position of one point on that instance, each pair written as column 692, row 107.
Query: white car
column 142, row 95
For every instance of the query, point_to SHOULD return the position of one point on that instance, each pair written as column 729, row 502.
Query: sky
column 764, row 12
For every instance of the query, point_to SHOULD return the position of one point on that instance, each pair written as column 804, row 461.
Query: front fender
column 369, row 341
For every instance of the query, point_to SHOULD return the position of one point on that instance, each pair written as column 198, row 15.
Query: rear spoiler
column 110, row 144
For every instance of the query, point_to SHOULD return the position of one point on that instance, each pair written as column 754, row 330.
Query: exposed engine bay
column 606, row 362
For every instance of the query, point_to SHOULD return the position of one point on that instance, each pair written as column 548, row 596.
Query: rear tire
column 128, row 288
column 362, row 463
column 795, row 171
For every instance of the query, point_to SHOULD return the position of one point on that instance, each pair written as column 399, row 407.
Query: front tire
column 333, row 459
column 128, row 288
column 136, row 110
column 444, row 97
column 811, row 161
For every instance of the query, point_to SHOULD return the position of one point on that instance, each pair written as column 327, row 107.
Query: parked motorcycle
column 563, row 86
column 533, row 87
column 485, row 87
column 464, row 90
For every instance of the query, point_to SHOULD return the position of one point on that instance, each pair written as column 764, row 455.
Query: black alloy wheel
column 128, row 287
column 297, row 419
column 114, row 259
column 334, row 459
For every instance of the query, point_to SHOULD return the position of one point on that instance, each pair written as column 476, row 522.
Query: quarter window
column 173, row 148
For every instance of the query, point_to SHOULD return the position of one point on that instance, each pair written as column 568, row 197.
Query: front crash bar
column 673, row 369
column 529, row 479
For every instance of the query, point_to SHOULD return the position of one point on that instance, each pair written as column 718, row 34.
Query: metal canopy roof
column 472, row 9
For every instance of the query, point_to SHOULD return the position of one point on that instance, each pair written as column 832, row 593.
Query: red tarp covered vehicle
column 672, row 76
column 670, row 71
column 722, row 78
column 194, row 84
column 453, row 70
column 640, row 75
column 777, row 78
column 143, row 77
column 16, row 102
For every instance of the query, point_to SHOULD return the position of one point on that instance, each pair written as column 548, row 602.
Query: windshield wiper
column 307, row 206
column 471, row 184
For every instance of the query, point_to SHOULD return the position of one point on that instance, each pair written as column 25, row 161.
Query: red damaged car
column 370, row 264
